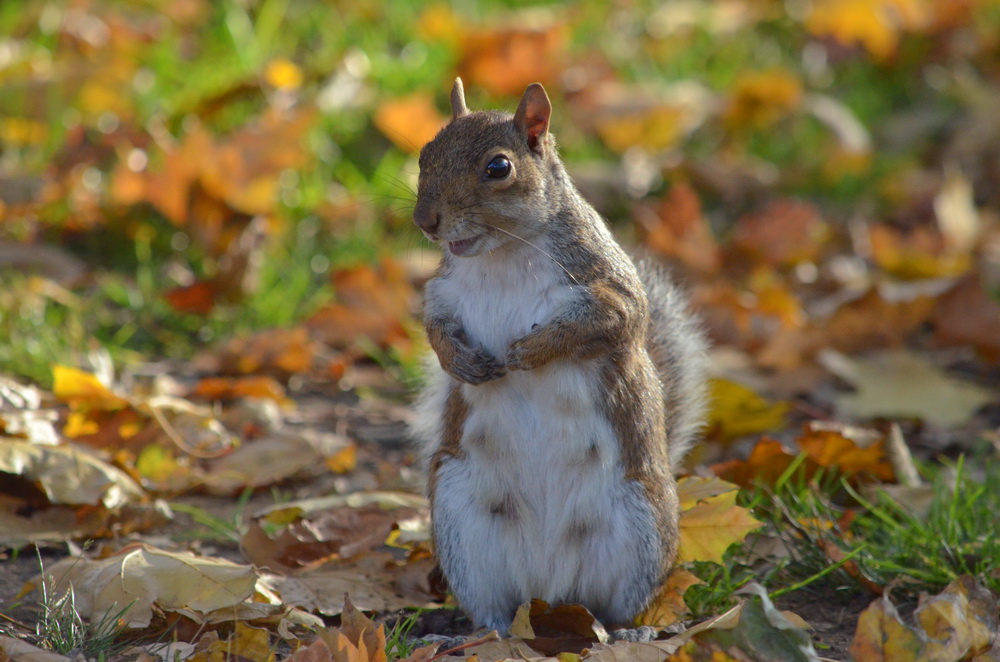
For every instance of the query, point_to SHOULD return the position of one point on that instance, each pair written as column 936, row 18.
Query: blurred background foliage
column 177, row 172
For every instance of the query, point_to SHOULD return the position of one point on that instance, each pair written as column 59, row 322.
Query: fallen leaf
column 767, row 462
column 68, row 475
column 711, row 524
column 737, row 411
column 832, row 449
column 967, row 315
column 245, row 643
column 761, row 98
column 409, row 122
column 269, row 459
column 677, row 228
column 373, row 303
column 668, row 606
column 376, row 582
column 278, row 352
column 141, row 577
column 784, row 233
column 957, row 624
column 505, row 60
column 899, row 384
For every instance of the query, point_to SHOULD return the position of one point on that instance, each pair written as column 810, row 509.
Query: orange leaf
column 506, row 60
column 372, row 302
column 767, row 461
column 677, row 228
column 832, row 449
column 197, row 299
column 409, row 122
column 229, row 388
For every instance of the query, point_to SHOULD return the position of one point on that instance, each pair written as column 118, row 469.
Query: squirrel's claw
column 476, row 367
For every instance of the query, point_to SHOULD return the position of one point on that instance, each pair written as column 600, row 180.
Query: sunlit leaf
column 712, row 524
column 409, row 122
column 737, row 410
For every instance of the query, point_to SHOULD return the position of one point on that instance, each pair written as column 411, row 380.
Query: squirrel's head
column 484, row 178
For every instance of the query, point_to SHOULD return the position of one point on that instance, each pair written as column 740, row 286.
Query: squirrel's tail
column 679, row 348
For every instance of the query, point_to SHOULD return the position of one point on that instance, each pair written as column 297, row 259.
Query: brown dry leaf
column 68, row 475
column 900, row 384
column 710, row 525
column 279, row 352
column 560, row 629
column 18, row 650
column 409, row 122
column 784, row 233
column 761, row 98
column 871, row 321
column 967, row 315
column 737, row 411
column 677, row 228
column 505, row 60
column 376, row 582
column 668, row 606
column 373, row 302
column 197, row 298
column 141, row 577
column 335, row 533
column 272, row 458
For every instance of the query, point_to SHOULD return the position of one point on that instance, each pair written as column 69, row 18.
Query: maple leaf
column 710, row 519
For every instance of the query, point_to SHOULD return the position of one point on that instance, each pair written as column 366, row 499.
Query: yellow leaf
column 710, row 526
column 156, row 462
column 761, row 98
column 654, row 128
column 79, row 424
column 283, row 74
column 668, row 606
column 79, row 387
column 881, row 636
column 344, row 460
column 439, row 23
column 409, row 122
column 737, row 411
column 246, row 643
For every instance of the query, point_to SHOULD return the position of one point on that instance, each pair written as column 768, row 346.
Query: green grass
column 61, row 629
column 885, row 540
column 398, row 645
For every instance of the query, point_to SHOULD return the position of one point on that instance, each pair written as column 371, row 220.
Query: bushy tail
column 679, row 349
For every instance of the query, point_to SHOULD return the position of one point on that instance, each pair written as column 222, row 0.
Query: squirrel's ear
column 532, row 116
column 458, row 107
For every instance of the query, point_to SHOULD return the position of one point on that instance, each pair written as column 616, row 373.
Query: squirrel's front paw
column 476, row 366
column 520, row 356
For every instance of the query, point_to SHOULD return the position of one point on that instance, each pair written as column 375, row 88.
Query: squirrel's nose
column 427, row 220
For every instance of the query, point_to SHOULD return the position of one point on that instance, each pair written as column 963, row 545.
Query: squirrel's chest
column 500, row 301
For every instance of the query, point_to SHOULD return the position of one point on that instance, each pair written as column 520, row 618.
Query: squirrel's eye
column 498, row 168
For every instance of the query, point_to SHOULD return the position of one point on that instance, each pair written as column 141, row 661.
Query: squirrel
column 563, row 368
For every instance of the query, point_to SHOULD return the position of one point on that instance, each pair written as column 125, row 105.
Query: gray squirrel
column 568, row 382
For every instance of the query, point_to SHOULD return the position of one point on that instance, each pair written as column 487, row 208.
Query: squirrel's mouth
column 463, row 246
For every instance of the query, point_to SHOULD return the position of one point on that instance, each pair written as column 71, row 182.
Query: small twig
column 491, row 636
